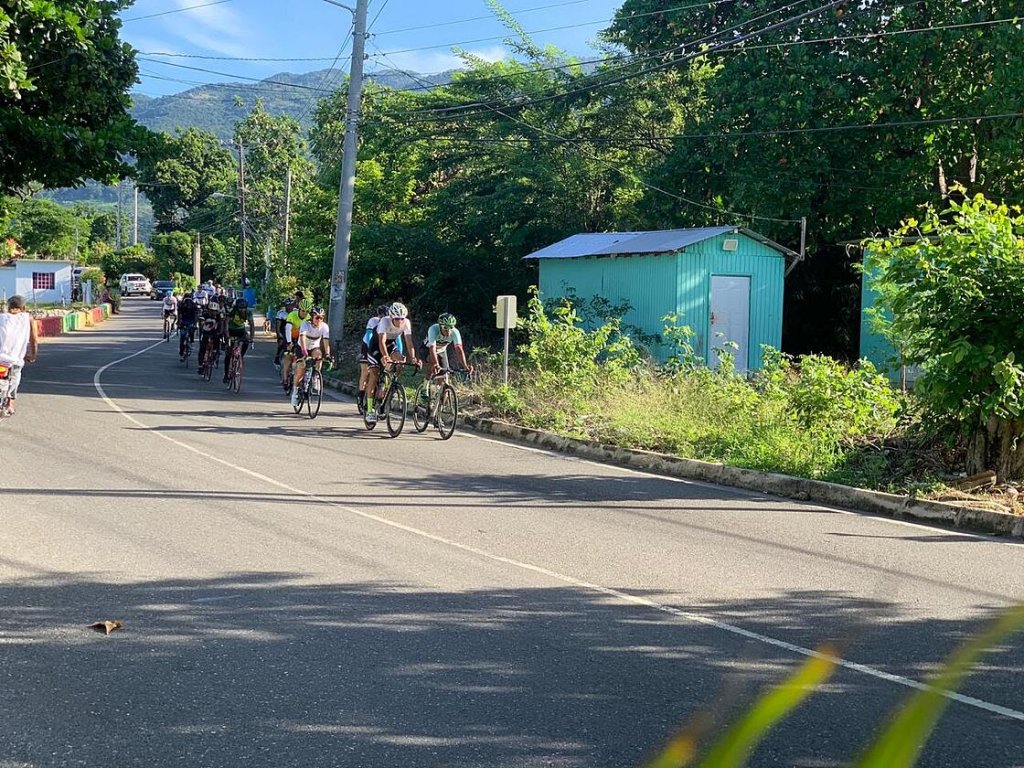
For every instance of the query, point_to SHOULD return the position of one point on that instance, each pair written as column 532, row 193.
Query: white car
column 135, row 283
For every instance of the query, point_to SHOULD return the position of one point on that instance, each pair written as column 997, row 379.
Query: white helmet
column 397, row 311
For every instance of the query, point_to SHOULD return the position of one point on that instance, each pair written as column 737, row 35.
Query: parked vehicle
column 133, row 283
column 161, row 288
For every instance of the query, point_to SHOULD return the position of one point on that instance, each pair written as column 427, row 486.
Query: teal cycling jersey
column 435, row 339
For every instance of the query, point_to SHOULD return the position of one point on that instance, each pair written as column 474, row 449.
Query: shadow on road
column 264, row 669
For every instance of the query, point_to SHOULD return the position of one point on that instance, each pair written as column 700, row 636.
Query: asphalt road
column 304, row 593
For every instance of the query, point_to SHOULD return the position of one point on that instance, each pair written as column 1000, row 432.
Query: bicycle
column 5, row 389
column 170, row 323
column 211, row 358
column 392, row 406
column 311, row 390
column 236, row 365
column 187, row 334
column 436, row 403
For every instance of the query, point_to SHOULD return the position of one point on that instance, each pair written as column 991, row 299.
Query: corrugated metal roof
column 658, row 241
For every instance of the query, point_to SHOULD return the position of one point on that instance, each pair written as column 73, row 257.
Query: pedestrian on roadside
column 19, row 344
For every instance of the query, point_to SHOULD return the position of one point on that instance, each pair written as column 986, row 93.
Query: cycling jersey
column 391, row 330
column 315, row 334
column 239, row 321
column 371, row 326
column 170, row 303
column 187, row 312
column 438, row 340
column 292, row 324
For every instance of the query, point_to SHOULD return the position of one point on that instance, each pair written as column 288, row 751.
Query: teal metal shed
column 726, row 283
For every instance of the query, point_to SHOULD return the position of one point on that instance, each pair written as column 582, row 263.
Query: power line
column 231, row 58
column 230, row 74
column 176, row 10
column 484, row 18
column 574, row 25
column 714, row 48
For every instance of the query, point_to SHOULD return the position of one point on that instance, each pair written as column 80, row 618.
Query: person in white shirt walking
column 19, row 344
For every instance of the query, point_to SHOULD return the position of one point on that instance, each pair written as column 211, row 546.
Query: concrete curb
column 61, row 323
column 801, row 489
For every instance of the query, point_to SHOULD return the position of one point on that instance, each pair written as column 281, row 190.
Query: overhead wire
column 482, row 107
column 176, row 10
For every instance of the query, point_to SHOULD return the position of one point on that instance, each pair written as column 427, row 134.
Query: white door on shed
column 730, row 319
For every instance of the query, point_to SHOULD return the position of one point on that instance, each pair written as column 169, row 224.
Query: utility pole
column 135, row 216
column 287, row 205
column 120, row 189
column 241, row 202
column 197, row 258
column 346, row 197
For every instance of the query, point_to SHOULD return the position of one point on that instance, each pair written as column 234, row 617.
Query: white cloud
column 432, row 62
column 215, row 28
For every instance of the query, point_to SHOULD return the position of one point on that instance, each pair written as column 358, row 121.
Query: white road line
column 625, row 597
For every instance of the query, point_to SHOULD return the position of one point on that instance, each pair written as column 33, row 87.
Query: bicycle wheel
column 209, row 365
column 167, row 330
column 421, row 408
column 394, row 408
column 447, row 411
column 316, row 394
column 239, row 371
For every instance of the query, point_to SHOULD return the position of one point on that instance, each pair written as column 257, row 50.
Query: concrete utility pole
column 346, row 198
column 241, row 202
column 287, row 206
column 197, row 258
column 135, row 215
column 120, row 189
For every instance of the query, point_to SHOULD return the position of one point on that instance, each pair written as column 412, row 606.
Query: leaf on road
column 106, row 627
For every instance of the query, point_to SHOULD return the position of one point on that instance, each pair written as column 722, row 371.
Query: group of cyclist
column 218, row 319
column 303, row 338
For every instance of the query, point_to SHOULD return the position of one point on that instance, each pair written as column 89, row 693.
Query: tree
column 134, row 258
column 64, row 106
column 45, row 228
column 173, row 253
column 181, row 175
column 746, row 149
column 951, row 286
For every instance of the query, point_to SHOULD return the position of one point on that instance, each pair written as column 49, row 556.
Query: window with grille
column 43, row 281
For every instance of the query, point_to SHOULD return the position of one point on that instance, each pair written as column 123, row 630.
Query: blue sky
column 288, row 29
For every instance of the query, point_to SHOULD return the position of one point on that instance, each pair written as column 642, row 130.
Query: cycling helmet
column 398, row 311
column 318, row 312
column 289, row 302
column 446, row 320
column 382, row 310
column 306, row 305
column 241, row 303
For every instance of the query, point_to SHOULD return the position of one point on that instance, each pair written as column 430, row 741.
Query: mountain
column 217, row 108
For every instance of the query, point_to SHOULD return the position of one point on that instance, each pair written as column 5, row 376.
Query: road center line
column 625, row 597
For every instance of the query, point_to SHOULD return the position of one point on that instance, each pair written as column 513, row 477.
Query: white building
column 40, row 281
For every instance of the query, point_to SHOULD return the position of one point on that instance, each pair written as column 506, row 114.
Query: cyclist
column 282, row 314
column 211, row 329
column 440, row 336
column 393, row 329
column 292, row 327
column 239, row 325
column 201, row 297
column 314, row 344
column 170, row 306
column 188, row 315
column 364, row 355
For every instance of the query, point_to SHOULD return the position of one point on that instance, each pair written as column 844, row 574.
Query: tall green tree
column 183, row 174
column 951, row 285
column 748, row 148
column 64, row 105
